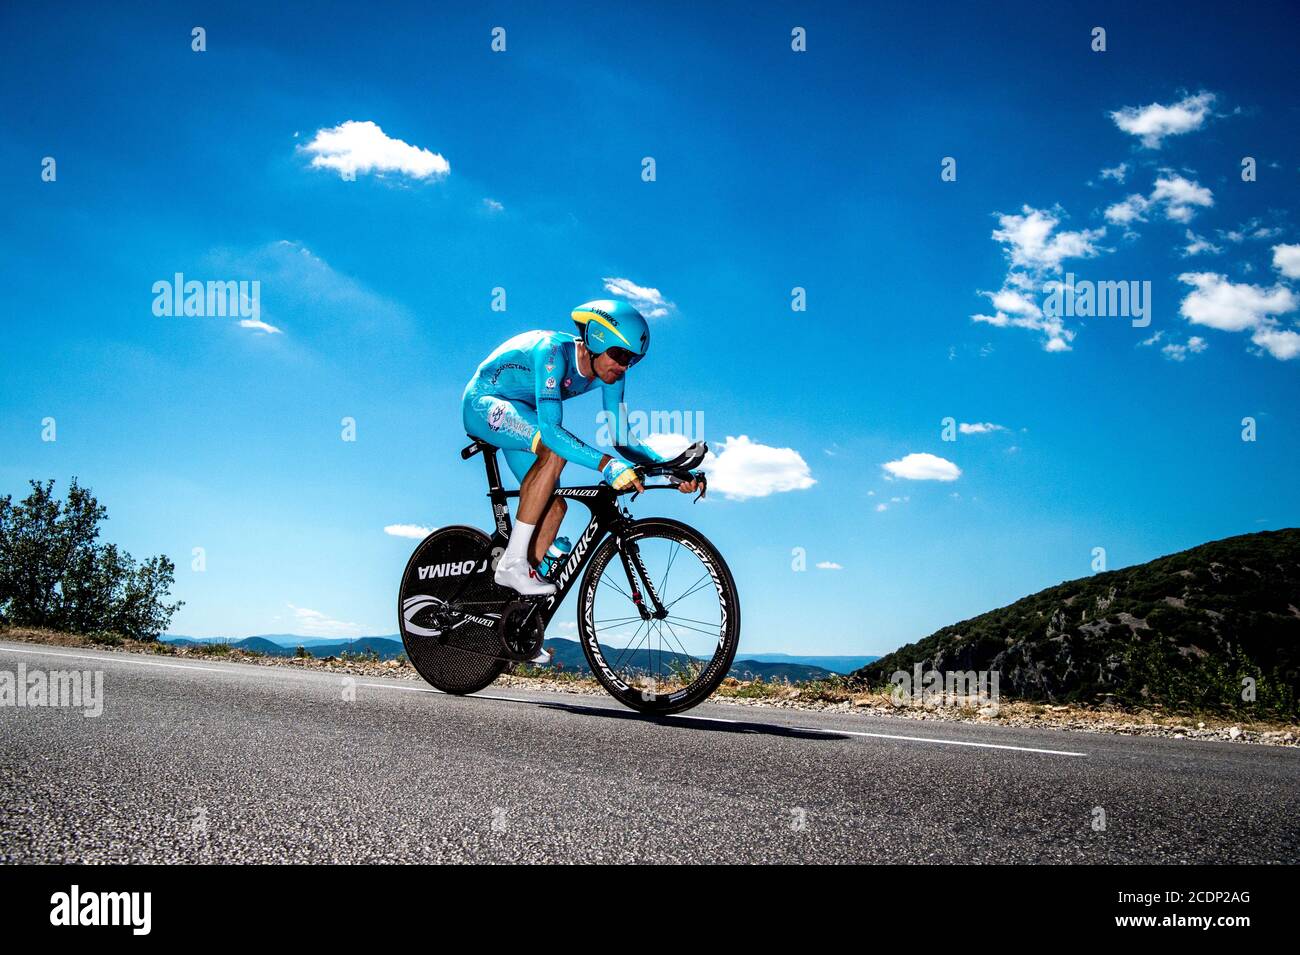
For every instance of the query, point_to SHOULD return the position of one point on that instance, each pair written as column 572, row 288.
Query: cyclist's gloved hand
column 618, row 475
column 693, row 485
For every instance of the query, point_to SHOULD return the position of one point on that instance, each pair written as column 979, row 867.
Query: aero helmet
column 607, row 323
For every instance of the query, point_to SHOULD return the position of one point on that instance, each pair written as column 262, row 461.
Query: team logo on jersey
column 568, row 382
column 550, row 382
column 550, row 366
column 495, row 415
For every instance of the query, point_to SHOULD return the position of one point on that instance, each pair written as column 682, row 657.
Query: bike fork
column 630, row 555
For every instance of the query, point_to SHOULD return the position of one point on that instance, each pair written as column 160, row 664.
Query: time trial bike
column 658, row 618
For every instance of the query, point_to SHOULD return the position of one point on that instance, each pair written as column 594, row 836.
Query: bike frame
column 606, row 518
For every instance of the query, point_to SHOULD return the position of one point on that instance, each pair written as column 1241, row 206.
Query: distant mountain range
column 834, row 664
column 568, row 654
column 1206, row 627
column 286, row 645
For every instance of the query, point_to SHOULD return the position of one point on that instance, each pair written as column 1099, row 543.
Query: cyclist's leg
column 512, row 426
column 522, row 464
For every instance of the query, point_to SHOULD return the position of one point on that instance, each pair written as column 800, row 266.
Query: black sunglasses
column 624, row 357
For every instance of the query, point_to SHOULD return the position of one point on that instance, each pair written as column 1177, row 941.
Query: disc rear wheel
column 452, row 568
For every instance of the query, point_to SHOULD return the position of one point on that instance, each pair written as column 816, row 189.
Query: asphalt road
column 220, row 762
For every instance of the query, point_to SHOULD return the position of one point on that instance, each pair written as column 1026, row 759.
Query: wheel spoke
column 618, row 620
column 669, row 664
column 679, row 642
column 694, row 587
column 632, row 647
column 708, row 633
column 699, row 585
column 672, row 555
column 609, row 583
column 703, row 623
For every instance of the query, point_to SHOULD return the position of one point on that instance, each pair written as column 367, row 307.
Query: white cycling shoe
column 543, row 657
column 520, row 577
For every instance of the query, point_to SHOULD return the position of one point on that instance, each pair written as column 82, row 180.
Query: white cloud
column 744, row 469
column 979, row 427
column 414, row 531
column 828, row 565
column 362, row 147
column 648, row 301
column 258, row 324
column 1155, row 122
column 1118, row 173
column 1176, row 352
column 491, row 205
column 1229, row 306
column 1031, row 245
column 1035, row 248
column 881, row 507
column 1282, row 344
column 1127, row 211
column 1196, row 245
column 313, row 623
column 923, row 467
column 1286, row 259
column 1179, row 195
column 1174, row 194
column 1023, row 312
column 667, row 445
column 308, row 290
column 1014, row 301
column 1238, row 307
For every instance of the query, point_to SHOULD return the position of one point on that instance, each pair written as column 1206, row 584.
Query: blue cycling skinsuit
column 513, row 403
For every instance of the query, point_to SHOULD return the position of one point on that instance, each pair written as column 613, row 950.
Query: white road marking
column 945, row 742
column 804, row 729
column 110, row 657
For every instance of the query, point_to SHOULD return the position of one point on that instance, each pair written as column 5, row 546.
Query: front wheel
column 668, row 664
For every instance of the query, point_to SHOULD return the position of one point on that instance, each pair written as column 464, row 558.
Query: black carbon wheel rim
column 668, row 665
column 436, row 574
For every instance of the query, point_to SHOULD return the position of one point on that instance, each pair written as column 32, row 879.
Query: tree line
column 57, row 575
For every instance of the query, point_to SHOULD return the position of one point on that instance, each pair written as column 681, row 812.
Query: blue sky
column 774, row 170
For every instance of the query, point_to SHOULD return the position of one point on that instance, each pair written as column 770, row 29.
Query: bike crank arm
column 454, row 618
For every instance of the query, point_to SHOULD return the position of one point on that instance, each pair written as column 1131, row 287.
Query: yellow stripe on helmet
column 582, row 317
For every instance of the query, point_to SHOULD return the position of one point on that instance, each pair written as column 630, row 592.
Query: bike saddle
column 476, row 447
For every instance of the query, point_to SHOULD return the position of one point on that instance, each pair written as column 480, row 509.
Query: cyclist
column 513, row 402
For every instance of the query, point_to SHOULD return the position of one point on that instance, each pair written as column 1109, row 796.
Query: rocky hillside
column 1183, row 630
